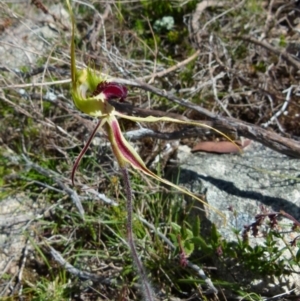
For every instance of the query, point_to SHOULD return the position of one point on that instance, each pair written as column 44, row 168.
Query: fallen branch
column 270, row 139
column 49, row 173
column 281, row 53
column 76, row 272
column 58, row 179
column 286, row 146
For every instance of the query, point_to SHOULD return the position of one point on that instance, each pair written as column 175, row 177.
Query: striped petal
column 126, row 155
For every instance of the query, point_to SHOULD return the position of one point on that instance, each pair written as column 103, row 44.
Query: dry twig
column 270, row 139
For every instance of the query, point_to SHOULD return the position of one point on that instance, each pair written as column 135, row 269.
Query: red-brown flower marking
column 111, row 90
column 123, row 151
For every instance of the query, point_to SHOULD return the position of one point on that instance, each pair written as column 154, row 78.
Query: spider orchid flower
column 91, row 93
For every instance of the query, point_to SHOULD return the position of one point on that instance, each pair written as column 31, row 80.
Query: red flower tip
column 111, row 90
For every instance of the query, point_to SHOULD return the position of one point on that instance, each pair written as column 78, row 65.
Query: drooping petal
column 126, row 155
column 85, row 148
column 123, row 151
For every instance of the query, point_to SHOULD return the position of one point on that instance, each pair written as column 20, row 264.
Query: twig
column 173, row 68
column 38, row 70
column 277, row 297
column 72, row 193
column 269, row 22
column 32, row 85
column 199, row 87
column 283, row 108
column 76, row 272
column 212, row 78
column 194, row 24
column 4, row 271
column 289, row 58
column 22, row 266
column 98, row 23
column 155, row 52
column 270, row 139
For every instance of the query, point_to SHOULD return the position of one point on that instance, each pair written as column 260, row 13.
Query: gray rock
column 15, row 213
column 241, row 186
column 29, row 39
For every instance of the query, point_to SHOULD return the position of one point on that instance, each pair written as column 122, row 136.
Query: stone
column 242, row 186
column 15, row 213
column 26, row 41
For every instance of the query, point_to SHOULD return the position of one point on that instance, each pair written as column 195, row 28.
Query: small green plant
column 55, row 289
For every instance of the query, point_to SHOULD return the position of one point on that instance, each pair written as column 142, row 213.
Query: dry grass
column 227, row 59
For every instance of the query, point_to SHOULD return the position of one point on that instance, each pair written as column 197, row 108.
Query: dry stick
column 32, row 85
column 173, row 68
column 94, row 35
column 72, row 193
column 288, row 57
column 22, row 266
column 76, row 272
column 155, row 52
column 213, row 79
column 7, row 266
column 183, row 132
column 272, row 140
column 147, row 290
column 269, row 21
column 49, row 173
column 282, row 109
column 8, row 286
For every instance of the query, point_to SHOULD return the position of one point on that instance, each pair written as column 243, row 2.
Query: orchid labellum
column 91, row 93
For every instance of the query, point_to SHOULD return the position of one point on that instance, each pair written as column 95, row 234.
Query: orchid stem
column 147, row 290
